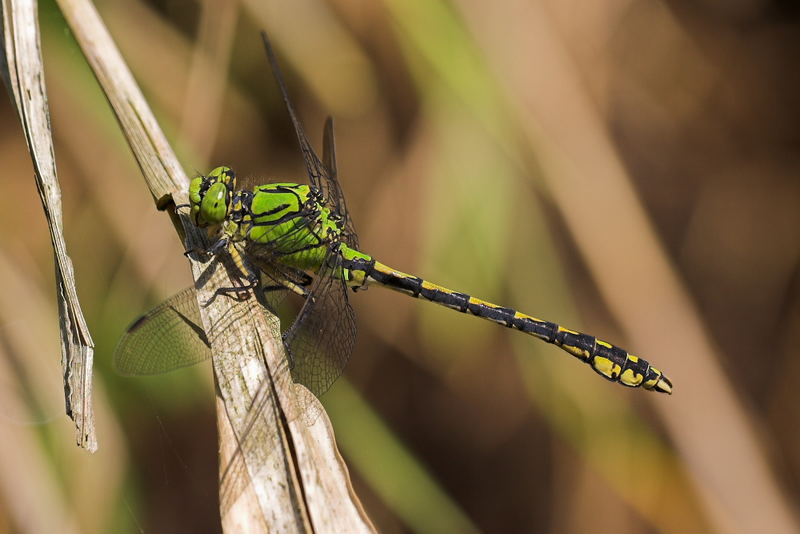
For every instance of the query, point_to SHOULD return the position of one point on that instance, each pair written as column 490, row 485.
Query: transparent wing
column 329, row 148
column 329, row 157
column 267, row 256
column 276, row 274
column 166, row 338
column 258, row 429
column 290, row 242
column 170, row 336
column 320, row 341
column 323, row 177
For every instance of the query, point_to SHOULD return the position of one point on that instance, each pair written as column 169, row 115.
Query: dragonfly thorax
column 287, row 221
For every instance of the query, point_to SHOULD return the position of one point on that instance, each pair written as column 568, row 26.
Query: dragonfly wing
column 275, row 277
column 166, row 338
column 321, row 176
column 314, row 169
column 329, row 148
column 266, row 258
column 320, row 341
column 332, row 174
column 290, row 242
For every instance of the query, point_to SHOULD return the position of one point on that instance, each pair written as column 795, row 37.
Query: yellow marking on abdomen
column 653, row 381
column 577, row 352
column 479, row 302
column 519, row 315
column 629, row 378
column 433, row 287
column 606, row 367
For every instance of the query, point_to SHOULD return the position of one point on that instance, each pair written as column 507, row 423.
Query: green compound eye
column 195, row 198
column 194, row 190
column 214, row 205
column 209, row 196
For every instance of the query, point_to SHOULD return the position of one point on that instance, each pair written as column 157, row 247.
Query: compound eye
column 195, row 198
column 194, row 189
column 214, row 206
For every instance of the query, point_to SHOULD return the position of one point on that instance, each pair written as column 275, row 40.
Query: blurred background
column 628, row 168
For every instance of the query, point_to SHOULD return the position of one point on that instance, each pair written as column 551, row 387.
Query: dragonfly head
column 210, row 196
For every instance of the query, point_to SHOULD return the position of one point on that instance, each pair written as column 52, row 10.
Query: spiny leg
column 243, row 270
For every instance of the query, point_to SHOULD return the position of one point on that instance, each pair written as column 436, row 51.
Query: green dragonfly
column 300, row 238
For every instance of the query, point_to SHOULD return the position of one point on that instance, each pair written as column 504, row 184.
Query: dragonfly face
column 210, row 196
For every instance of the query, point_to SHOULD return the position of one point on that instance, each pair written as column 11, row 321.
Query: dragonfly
column 290, row 237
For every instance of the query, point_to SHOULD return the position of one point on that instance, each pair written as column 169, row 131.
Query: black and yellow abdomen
column 610, row 361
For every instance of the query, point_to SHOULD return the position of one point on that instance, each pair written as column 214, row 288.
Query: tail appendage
column 611, row 362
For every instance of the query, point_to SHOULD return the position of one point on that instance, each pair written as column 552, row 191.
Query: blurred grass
column 448, row 419
column 391, row 470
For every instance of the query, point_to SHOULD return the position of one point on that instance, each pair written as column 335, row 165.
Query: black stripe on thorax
column 309, row 214
column 273, row 190
column 304, row 248
column 273, row 211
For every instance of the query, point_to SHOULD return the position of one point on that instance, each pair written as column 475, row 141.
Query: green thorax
column 289, row 219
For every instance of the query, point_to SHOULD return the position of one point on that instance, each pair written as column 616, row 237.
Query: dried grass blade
column 23, row 73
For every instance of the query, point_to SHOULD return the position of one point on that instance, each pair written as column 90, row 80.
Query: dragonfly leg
column 300, row 289
column 236, row 289
column 221, row 244
column 195, row 250
column 245, row 272
column 251, row 283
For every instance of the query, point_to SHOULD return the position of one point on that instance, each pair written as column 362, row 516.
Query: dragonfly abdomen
column 610, row 361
